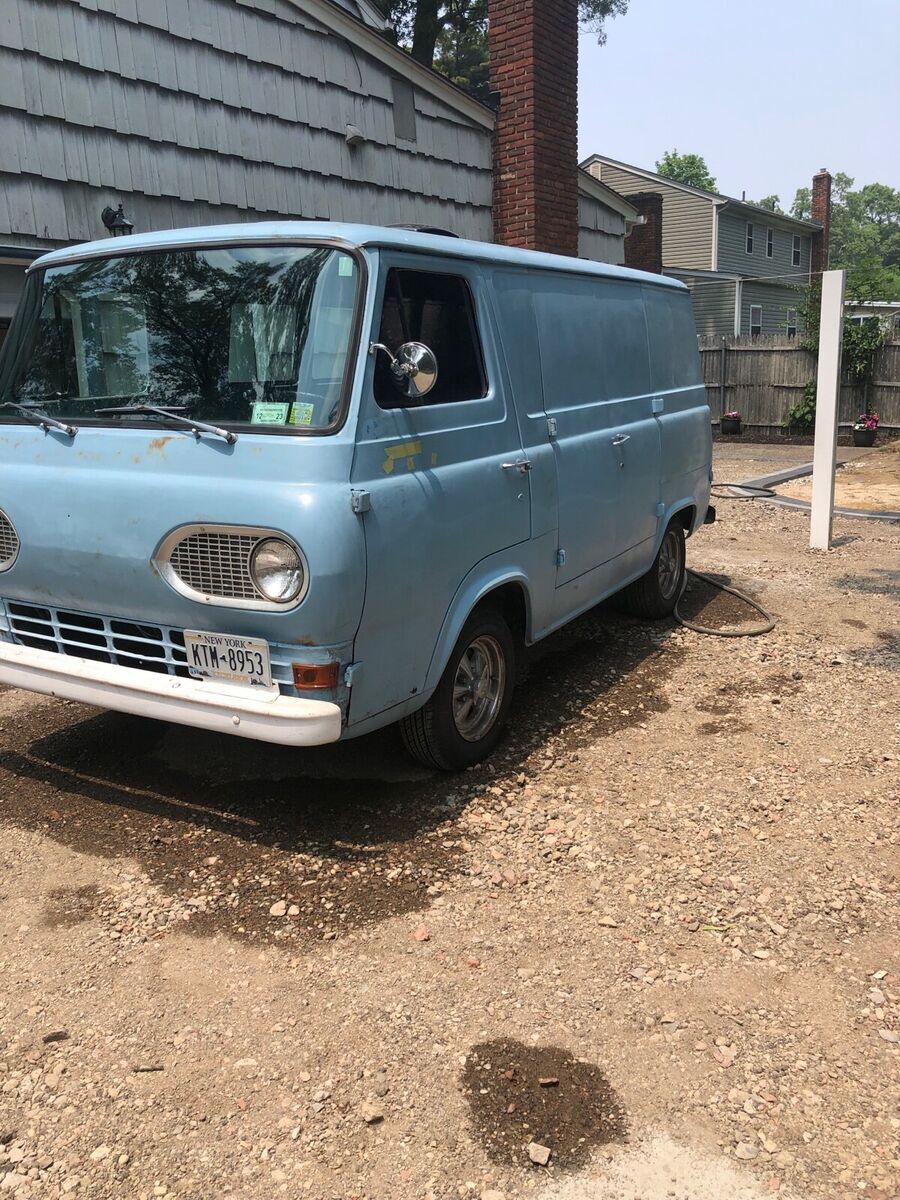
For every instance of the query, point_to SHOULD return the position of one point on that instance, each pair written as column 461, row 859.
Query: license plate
column 231, row 659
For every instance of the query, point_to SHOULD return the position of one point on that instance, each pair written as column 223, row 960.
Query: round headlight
column 277, row 570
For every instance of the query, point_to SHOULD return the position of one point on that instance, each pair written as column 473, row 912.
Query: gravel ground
column 651, row 950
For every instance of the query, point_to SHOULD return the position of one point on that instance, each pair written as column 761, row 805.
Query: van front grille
column 113, row 640
column 216, row 564
column 9, row 542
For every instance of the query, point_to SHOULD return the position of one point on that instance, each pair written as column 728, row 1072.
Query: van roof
column 360, row 236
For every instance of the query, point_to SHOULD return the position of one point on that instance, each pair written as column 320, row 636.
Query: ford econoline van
column 296, row 482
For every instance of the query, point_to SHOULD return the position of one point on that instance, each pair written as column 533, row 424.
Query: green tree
column 451, row 35
column 865, row 235
column 690, row 169
column 772, row 203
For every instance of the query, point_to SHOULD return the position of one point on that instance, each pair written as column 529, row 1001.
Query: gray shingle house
column 743, row 264
column 204, row 112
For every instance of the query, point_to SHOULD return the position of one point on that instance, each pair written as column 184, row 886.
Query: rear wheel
column 462, row 722
column 656, row 593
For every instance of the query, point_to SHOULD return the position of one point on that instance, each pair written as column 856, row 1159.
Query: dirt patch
column 70, row 906
column 519, row 1094
column 602, row 675
column 726, row 700
column 706, row 605
column 280, row 860
column 871, row 482
column 719, row 728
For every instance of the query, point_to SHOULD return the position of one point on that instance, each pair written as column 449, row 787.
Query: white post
column 828, row 393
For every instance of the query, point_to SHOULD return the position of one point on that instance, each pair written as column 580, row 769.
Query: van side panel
column 684, row 421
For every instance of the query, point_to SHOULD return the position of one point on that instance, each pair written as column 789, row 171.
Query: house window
column 791, row 322
column 420, row 306
column 770, row 243
column 404, row 97
column 749, row 237
column 795, row 253
column 755, row 320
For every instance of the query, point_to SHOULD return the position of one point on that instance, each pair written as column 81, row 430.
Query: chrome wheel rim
column 478, row 688
column 669, row 564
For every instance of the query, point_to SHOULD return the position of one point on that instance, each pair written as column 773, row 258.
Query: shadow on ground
column 343, row 836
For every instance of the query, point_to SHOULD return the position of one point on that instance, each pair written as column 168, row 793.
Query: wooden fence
column 762, row 377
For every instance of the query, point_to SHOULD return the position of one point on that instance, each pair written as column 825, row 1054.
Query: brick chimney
column 534, row 74
column 821, row 212
column 643, row 245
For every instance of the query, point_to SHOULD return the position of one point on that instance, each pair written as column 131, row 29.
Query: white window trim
column 770, row 242
column 759, row 309
column 738, row 304
column 749, row 238
column 797, row 250
column 789, row 324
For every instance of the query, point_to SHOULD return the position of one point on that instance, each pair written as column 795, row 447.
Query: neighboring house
column 204, row 112
column 858, row 311
column 743, row 264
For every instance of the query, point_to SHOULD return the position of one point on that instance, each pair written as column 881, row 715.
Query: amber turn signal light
column 316, row 678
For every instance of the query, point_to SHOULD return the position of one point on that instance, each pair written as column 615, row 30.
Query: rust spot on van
column 159, row 444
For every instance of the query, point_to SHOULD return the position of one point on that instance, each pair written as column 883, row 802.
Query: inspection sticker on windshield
column 269, row 414
column 302, row 414
column 231, row 659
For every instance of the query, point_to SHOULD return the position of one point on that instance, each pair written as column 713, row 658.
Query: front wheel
column 462, row 722
column 657, row 593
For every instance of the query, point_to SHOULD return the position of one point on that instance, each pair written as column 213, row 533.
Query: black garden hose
column 722, row 491
column 729, row 633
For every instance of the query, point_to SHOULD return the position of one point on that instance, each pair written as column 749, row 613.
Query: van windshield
column 243, row 335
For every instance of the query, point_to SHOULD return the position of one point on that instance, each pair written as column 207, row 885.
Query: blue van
column 299, row 481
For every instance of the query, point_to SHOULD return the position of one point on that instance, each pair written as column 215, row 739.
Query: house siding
column 209, row 111
column 601, row 232
column 687, row 220
column 733, row 254
column 713, row 301
column 775, row 301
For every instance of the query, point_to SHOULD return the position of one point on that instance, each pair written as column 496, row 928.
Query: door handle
column 522, row 465
column 621, row 438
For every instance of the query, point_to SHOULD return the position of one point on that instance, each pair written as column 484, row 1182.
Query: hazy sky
column 767, row 92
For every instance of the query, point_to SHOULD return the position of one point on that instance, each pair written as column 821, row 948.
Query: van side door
column 596, row 382
column 680, row 399
column 442, row 487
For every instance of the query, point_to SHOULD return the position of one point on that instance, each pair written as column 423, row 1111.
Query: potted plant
column 731, row 422
column 865, row 428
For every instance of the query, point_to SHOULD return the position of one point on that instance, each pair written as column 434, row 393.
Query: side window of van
column 438, row 310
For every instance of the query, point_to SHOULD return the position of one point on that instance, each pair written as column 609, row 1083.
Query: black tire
column 432, row 735
column 656, row 594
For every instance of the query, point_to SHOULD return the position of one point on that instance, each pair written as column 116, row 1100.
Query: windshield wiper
column 35, row 417
column 167, row 414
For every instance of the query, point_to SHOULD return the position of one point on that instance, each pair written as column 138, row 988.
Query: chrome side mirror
column 414, row 367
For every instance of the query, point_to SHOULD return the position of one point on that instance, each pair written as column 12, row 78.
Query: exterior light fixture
column 355, row 136
column 116, row 222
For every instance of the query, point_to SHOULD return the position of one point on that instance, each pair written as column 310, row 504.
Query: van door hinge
column 659, row 404
column 660, row 510
column 560, row 558
column 552, row 428
column 360, row 502
column 351, row 673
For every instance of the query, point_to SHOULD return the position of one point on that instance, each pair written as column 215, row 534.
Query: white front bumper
column 285, row 720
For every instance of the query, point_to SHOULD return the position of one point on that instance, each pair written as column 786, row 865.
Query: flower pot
column 864, row 437
column 731, row 425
